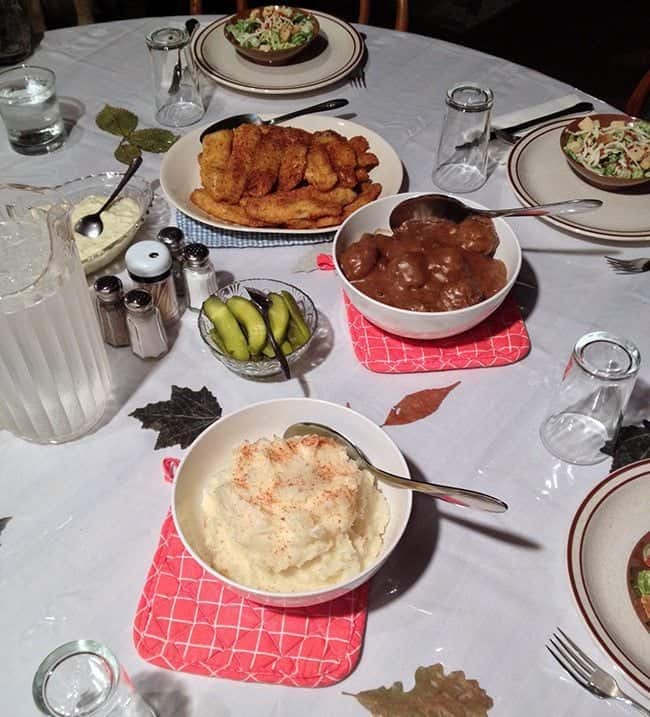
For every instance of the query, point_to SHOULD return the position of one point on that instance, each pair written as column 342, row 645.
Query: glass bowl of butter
column 121, row 220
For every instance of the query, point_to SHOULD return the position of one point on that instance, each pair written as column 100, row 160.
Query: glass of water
column 588, row 407
column 84, row 678
column 30, row 109
column 461, row 164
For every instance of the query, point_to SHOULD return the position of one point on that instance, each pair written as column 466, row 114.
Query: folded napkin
column 499, row 149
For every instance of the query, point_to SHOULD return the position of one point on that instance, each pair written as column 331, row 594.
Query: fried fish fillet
column 367, row 160
column 359, row 144
column 320, row 223
column 284, row 207
column 232, row 213
column 369, row 192
column 246, row 139
column 319, row 171
column 216, row 148
column 292, row 166
column 344, row 161
column 266, row 166
column 287, row 135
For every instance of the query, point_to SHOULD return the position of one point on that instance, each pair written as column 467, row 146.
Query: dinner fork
column 629, row 266
column 586, row 672
column 359, row 79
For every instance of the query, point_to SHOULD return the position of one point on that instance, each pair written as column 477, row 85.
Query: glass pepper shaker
column 146, row 329
column 111, row 311
column 149, row 264
column 200, row 279
column 174, row 239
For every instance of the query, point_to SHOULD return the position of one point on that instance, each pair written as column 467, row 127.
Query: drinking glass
column 15, row 32
column 54, row 372
column 30, row 109
column 588, row 406
column 84, row 678
column 461, row 164
column 175, row 79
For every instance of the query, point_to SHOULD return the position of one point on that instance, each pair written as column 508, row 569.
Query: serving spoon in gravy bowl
column 458, row 496
column 441, row 206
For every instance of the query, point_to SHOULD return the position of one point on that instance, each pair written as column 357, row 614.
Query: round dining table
column 473, row 591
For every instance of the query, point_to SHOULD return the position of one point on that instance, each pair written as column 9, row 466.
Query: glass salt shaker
column 109, row 299
column 174, row 239
column 199, row 274
column 146, row 329
column 149, row 264
column 462, row 160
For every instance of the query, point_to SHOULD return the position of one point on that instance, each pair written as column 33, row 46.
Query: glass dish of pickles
column 234, row 328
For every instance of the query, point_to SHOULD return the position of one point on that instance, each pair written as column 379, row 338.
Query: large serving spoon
column 91, row 225
column 458, row 496
column 251, row 118
column 444, row 207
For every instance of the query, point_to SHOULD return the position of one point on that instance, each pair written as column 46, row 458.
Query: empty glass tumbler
column 175, row 78
column 83, row 678
column 461, row 163
column 588, row 406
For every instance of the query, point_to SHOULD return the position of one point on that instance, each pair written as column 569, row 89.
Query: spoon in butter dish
column 91, row 225
column 450, row 494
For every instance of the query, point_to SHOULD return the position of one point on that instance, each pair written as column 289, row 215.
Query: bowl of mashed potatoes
column 289, row 522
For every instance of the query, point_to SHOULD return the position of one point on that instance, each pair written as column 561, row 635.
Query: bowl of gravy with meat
column 429, row 278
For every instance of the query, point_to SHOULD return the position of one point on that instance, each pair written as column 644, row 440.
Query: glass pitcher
column 54, row 372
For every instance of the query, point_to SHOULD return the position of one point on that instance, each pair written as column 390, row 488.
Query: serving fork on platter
column 629, row 266
column 586, row 672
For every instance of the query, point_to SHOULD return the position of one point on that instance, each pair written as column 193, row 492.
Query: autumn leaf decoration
column 181, row 419
column 434, row 695
column 418, row 405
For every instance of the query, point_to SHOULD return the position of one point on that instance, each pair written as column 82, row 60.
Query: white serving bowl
column 213, row 448
column 420, row 324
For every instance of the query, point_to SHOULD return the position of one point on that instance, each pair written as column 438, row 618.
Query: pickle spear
column 278, row 316
column 227, row 327
column 298, row 333
column 248, row 315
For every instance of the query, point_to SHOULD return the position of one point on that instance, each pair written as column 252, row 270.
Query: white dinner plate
column 179, row 172
column 607, row 526
column 331, row 57
column 539, row 173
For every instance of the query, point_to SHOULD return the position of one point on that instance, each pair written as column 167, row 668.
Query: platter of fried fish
column 304, row 177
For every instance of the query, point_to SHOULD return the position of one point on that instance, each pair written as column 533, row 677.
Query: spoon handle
column 458, row 496
column 321, row 107
column 573, row 206
column 133, row 168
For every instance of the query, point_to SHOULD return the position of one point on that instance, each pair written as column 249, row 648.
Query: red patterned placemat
column 499, row 340
column 188, row 621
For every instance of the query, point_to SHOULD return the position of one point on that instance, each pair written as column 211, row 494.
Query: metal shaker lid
column 138, row 301
column 173, row 238
column 148, row 261
column 108, row 288
column 196, row 254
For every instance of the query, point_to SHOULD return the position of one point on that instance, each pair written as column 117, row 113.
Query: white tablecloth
column 476, row 592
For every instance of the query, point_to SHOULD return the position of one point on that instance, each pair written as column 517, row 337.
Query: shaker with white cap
column 149, row 264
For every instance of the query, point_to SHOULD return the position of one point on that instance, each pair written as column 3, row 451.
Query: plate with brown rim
column 605, row 530
column 332, row 55
column 539, row 174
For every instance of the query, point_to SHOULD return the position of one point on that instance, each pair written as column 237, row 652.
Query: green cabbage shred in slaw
column 620, row 149
column 273, row 28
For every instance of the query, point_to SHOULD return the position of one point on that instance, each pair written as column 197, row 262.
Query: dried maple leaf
column 418, row 405
column 181, row 419
column 434, row 695
column 632, row 444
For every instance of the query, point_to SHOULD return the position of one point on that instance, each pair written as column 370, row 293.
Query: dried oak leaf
column 418, row 405
column 181, row 419
column 632, row 444
column 434, row 695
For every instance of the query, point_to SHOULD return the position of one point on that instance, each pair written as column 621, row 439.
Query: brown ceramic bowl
column 270, row 57
column 611, row 184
